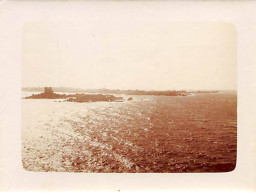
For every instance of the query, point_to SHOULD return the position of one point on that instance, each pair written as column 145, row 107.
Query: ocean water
column 148, row 134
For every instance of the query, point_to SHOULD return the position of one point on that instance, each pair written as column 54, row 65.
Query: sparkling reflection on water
column 149, row 134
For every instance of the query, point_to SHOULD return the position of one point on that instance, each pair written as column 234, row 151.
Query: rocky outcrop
column 95, row 98
column 130, row 98
column 49, row 94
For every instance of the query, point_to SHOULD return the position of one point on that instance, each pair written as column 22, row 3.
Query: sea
column 149, row 134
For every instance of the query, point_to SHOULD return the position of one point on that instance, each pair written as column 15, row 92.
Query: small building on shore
column 48, row 90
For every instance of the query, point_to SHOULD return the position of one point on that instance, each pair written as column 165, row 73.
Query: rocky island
column 49, row 94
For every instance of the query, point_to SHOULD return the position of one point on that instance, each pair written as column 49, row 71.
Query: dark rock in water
column 96, row 98
column 72, row 99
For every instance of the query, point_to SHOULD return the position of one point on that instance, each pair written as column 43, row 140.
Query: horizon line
column 80, row 88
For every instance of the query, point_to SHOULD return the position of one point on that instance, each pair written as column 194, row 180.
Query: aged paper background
column 14, row 15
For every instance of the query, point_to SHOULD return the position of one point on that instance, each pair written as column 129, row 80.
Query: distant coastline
column 118, row 91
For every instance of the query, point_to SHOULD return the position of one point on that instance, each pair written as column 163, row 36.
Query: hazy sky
column 126, row 54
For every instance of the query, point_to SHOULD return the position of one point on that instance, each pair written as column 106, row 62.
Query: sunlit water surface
column 148, row 134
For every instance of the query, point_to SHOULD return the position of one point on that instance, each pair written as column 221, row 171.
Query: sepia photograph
column 129, row 96
column 121, row 96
